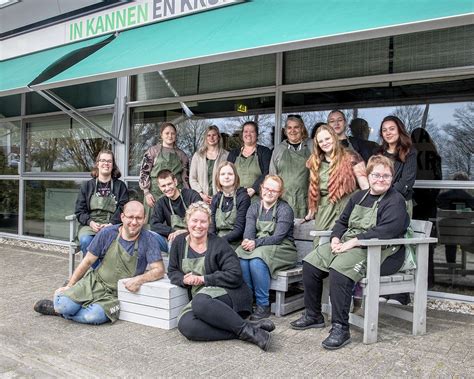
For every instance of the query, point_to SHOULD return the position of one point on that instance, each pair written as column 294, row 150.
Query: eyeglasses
column 385, row 177
column 109, row 161
column 271, row 191
column 294, row 116
column 136, row 218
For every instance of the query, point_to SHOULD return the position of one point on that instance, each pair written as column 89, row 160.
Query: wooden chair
column 74, row 246
column 374, row 285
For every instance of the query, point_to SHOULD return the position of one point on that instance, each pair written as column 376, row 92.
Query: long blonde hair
column 341, row 177
column 203, row 149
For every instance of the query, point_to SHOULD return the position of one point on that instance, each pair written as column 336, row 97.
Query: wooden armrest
column 70, row 218
column 320, row 233
column 397, row 241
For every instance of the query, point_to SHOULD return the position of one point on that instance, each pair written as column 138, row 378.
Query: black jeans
column 340, row 288
column 211, row 319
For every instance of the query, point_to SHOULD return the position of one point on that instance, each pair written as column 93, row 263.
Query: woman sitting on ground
column 268, row 244
column 229, row 206
column 209, row 268
column 379, row 212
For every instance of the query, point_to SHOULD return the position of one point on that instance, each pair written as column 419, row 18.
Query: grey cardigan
column 198, row 172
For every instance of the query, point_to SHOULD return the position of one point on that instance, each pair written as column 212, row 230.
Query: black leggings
column 340, row 288
column 211, row 319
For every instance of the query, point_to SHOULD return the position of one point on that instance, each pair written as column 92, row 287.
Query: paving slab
column 36, row 346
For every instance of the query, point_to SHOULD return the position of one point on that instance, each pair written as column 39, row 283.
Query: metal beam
column 76, row 115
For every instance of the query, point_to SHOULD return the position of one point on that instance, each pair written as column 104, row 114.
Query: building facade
column 107, row 74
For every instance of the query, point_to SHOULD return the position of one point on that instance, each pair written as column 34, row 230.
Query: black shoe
column 306, row 322
column 264, row 324
column 45, row 307
column 255, row 335
column 260, row 312
column 339, row 336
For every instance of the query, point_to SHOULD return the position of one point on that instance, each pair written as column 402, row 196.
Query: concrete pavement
column 39, row 346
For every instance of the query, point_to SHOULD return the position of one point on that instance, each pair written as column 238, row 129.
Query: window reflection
column 9, row 148
column 47, row 203
column 145, row 123
column 9, row 206
column 63, row 145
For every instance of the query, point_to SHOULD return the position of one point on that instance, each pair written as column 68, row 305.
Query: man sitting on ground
column 168, row 214
column 125, row 250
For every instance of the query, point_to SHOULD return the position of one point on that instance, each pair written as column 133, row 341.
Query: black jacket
column 405, row 173
column 222, row 270
column 264, row 155
column 160, row 221
column 365, row 148
column 82, row 210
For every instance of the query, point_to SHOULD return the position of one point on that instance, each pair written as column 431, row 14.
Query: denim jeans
column 257, row 276
column 162, row 241
column 84, row 242
column 70, row 310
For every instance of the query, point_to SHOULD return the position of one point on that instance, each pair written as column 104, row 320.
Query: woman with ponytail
column 335, row 173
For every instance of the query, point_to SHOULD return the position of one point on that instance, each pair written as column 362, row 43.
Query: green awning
column 260, row 27
column 17, row 73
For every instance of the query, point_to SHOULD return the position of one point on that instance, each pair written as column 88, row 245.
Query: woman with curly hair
column 335, row 173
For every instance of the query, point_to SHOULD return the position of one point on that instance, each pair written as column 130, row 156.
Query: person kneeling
column 378, row 212
column 125, row 251
column 210, row 269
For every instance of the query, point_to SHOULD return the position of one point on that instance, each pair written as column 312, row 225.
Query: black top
column 243, row 204
column 222, row 269
column 284, row 219
column 405, row 173
column 392, row 216
column 160, row 220
column 264, row 155
column 88, row 189
column 365, row 148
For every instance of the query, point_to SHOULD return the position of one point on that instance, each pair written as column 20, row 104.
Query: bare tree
column 414, row 116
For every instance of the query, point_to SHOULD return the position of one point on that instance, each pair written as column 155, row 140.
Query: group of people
column 228, row 221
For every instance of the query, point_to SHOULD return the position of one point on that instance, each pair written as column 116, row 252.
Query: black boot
column 255, row 335
column 264, row 324
column 45, row 307
column 307, row 322
column 339, row 336
column 260, row 312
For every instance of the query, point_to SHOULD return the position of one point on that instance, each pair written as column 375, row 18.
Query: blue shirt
column 148, row 247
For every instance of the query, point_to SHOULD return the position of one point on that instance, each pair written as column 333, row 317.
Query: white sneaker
column 382, row 299
column 393, row 302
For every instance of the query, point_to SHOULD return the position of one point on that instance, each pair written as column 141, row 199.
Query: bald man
column 125, row 250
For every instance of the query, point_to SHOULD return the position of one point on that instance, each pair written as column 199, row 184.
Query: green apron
column 248, row 170
column 102, row 209
column 295, row 175
column 177, row 222
column 100, row 286
column 197, row 267
column 328, row 213
column 163, row 161
column 210, row 168
column 276, row 257
column 225, row 221
column 353, row 262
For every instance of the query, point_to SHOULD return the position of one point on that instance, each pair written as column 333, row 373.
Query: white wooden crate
column 156, row 304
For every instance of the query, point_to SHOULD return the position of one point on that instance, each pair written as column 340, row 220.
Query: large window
column 145, row 123
column 63, row 145
column 47, row 203
column 9, row 195
column 9, row 147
